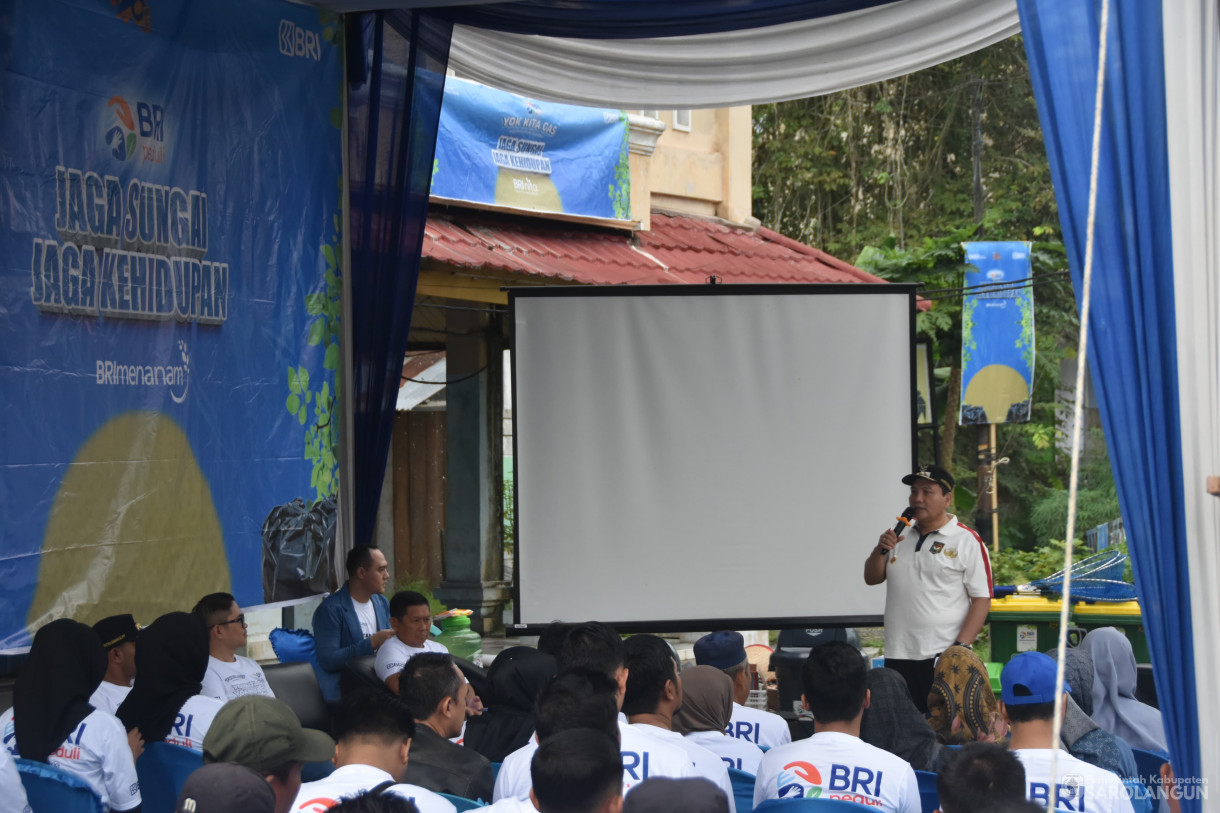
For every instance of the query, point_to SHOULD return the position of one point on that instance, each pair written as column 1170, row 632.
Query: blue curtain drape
column 396, row 80
column 1132, row 331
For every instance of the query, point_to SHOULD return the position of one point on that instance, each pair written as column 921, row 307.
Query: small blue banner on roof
column 498, row 148
column 997, row 334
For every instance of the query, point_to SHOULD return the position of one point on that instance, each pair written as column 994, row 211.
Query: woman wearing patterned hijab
column 961, row 702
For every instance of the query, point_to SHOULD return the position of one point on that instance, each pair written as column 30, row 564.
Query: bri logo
column 145, row 131
column 296, row 41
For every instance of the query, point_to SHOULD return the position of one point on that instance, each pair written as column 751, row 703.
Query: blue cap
column 1029, row 678
column 722, row 650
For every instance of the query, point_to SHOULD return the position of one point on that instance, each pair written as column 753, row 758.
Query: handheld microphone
column 904, row 521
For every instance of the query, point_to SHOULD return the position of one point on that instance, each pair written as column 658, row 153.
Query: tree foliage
column 882, row 175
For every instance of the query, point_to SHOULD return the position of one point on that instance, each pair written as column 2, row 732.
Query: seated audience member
column 264, row 735
column 118, row 635
column 707, row 707
column 893, row 723
column 579, row 698
column 374, row 732
column 1114, row 705
column 374, row 803
column 1028, row 690
column 1083, row 738
column 435, row 691
column 51, row 720
column 411, row 620
column 11, row 789
column 653, row 697
column 980, row 777
column 354, row 620
column 225, row 788
column 514, row 680
column 835, row 763
column 551, row 639
column 662, row 795
column 577, row 771
column 727, row 652
column 165, row 703
column 961, row 703
column 229, row 675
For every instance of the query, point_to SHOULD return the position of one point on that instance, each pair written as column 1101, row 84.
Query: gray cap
column 226, row 788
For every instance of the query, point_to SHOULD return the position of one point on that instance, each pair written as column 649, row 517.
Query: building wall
column 705, row 172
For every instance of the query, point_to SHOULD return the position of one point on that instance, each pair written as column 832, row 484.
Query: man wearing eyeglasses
column 229, row 675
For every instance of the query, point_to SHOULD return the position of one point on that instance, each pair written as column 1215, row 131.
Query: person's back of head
column 980, row 777
column 551, row 639
column 651, row 664
column 369, row 802
column 432, row 688
column 1028, row 688
column 374, row 716
column 226, row 788
column 577, row 699
column 214, row 608
column 835, row 682
column 592, row 645
column 726, row 650
column 577, row 771
column 663, row 794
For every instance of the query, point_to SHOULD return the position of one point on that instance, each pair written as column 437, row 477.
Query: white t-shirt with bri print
column 394, row 654
column 12, row 792
column 109, row 696
column 643, row 756
column 1079, row 786
column 764, row 729
column 705, row 763
column 739, row 754
column 352, row 780
column 226, row 681
column 192, row 722
column 367, row 617
column 831, row 765
column 97, row 752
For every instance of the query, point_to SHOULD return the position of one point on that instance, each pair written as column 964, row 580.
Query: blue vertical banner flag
column 169, row 278
column 997, row 334
column 498, row 148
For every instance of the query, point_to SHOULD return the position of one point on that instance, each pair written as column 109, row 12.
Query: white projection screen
column 696, row 458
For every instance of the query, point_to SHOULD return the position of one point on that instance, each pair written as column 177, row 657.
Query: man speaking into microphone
column 938, row 581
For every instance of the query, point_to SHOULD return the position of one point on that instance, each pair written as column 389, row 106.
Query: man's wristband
column 961, row 643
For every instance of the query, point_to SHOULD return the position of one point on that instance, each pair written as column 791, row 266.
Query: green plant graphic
column 620, row 190
column 1025, row 342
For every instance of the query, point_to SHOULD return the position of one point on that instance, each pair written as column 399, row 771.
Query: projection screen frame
column 820, row 289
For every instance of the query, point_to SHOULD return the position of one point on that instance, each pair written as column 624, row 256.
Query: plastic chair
column 1149, row 763
column 929, row 796
column 163, row 769
column 809, row 806
column 743, row 789
column 495, row 769
column 52, row 790
column 461, row 802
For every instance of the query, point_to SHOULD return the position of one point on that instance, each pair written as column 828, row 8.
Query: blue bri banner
column 997, row 334
column 498, row 148
column 169, row 189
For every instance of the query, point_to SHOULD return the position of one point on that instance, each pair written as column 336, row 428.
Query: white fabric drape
column 775, row 63
column 1192, row 80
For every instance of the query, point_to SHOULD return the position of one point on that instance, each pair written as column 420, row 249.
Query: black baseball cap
column 116, row 629
column 226, row 788
column 930, row 471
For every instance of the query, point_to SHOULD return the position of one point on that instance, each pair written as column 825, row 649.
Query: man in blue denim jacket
column 354, row 620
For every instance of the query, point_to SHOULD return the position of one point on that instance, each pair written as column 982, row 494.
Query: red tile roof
column 676, row 249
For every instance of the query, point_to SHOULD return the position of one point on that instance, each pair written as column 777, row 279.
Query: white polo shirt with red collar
column 930, row 580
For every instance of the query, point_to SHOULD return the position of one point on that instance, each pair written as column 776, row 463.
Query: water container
column 461, row 640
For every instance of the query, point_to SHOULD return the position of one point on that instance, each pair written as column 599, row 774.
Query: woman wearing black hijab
column 164, row 703
column 51, row 719
column 515, row 678
column 893, row 723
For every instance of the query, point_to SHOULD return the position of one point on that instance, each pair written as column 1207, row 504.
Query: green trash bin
column 1023, row 624
column 1126, row 616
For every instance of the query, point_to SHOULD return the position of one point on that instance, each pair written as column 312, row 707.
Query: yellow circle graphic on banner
column 132, row 528
column 995, row 388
